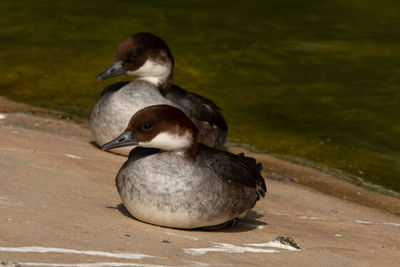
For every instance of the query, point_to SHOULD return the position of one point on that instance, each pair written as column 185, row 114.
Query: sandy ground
column 60, row 207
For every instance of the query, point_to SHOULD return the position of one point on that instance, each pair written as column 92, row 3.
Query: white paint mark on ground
column 182, row 236
column 330, row 220
column 2, row 116
column 127, row 256
column 72, row 156
column 274, row 244
column 391, row 224
column 374, row 223
column 199, row 264
column 363, row 222
column 293, row 215
column 96, row 264
column 312, row 218
column 227, row 248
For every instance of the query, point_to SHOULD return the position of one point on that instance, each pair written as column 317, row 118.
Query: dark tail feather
column 241, row 155
column 251, row 160
column 259, row 166
column 260, row 184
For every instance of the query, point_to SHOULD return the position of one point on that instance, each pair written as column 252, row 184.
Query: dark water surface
column 317, row 82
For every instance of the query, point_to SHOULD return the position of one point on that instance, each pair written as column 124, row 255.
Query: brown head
column 144, row 55
column 159, row 126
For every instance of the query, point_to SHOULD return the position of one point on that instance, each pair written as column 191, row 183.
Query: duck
column 148, row 57
column 172, row 180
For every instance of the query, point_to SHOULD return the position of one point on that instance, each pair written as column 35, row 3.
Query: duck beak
column 125, row 139
column 114, row 70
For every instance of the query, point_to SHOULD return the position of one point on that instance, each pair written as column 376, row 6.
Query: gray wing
column 200, row 108
column 234, row 168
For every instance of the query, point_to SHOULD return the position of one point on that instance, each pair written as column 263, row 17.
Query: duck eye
column 135, row 56
column 147, row 126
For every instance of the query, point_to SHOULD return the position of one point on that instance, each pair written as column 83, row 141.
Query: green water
column 317, row 82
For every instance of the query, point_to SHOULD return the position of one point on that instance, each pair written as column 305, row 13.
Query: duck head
column 159, row 126
column 145, row 56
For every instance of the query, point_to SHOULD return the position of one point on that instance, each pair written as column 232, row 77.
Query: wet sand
column 57, row 192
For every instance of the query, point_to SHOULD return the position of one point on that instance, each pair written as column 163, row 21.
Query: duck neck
column 165, row 84
column 191, row 151
column 159, row 74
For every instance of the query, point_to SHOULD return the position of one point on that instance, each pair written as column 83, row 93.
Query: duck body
column 147, row 57
column 172, row 180
column 165, row 188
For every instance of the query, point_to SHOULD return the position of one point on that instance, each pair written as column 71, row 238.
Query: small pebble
column 64, row 117
column 286, row 240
